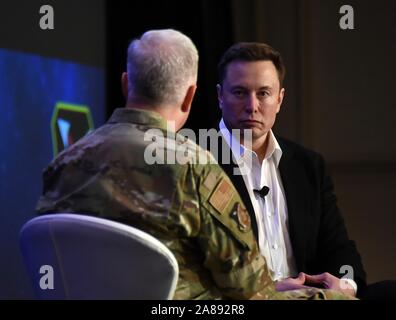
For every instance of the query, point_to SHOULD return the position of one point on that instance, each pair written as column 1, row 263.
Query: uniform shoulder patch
column 210, row 181
column 243, row 218
column 222, row 196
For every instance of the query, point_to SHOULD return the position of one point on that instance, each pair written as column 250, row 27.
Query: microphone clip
column 262, row 192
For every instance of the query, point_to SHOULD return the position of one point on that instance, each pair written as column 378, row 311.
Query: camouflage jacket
column 192, row 208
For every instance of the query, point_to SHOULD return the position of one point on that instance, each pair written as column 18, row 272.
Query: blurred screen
column 45, row 105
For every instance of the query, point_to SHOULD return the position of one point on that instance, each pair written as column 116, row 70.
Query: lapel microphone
column 263, row 192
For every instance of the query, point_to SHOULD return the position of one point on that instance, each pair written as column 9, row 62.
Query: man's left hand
column 328, row 281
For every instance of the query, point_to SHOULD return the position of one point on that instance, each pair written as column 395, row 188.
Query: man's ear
column 280, row 99
column 186, row 105
column 124, row 84
column 219, row 95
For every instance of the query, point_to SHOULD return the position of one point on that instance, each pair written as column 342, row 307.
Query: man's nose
column 251, row 103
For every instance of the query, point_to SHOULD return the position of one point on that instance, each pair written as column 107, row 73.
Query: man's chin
column 252, row 133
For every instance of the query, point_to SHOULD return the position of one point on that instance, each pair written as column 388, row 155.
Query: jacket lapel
column 239, row 184
column 297, row 199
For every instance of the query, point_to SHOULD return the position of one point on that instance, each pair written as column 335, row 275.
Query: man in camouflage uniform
column 192, row 208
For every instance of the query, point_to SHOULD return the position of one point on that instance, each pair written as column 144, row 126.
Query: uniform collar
column 138, row 116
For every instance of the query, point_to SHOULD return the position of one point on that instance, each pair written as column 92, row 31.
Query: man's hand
column 324, row 280
column 328, row 281
column 291, row 283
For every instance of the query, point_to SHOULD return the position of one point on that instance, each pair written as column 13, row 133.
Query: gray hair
column 162, row 64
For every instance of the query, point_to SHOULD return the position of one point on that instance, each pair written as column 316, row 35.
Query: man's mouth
column 250, row 122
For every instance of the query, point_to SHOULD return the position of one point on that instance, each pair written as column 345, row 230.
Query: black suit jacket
column 317, row 230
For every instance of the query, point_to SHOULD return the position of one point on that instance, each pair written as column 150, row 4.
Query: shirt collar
column 238, row 150
column 236, row 147
column 273, row 150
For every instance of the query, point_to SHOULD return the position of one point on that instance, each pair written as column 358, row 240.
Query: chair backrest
column 70, row 256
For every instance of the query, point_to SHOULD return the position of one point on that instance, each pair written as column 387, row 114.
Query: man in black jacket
column 285, row 187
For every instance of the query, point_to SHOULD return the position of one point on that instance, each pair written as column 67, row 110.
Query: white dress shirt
column 270, row 211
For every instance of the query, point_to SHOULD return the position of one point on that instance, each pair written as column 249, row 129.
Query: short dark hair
column 251, row 51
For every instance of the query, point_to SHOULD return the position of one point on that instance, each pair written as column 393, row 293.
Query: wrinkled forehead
column 251, row 74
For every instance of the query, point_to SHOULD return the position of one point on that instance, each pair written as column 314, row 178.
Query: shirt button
column 275, row 246
column 269, row 214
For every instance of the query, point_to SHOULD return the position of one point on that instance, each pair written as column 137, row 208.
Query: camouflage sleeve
column 227, row 240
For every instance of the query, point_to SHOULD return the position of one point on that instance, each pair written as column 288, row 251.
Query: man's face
column 250, row 96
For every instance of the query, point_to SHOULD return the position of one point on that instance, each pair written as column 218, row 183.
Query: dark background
column 207, row 23
column 339, row 90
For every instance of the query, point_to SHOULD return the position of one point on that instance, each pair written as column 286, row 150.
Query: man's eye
column 262, row 93
column 238, row 93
